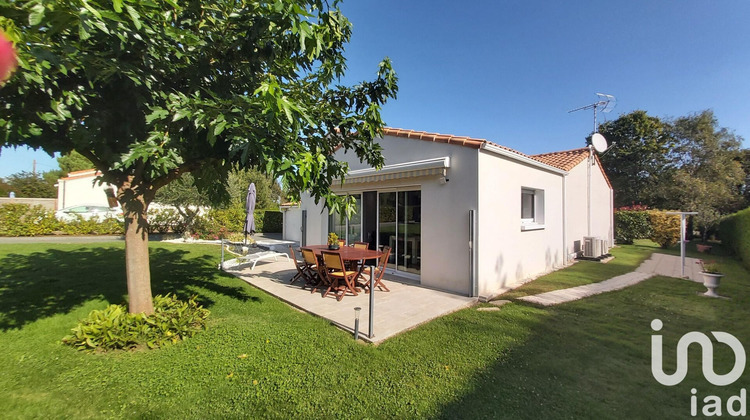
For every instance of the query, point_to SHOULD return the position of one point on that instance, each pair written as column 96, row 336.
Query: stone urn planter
column 711, row 281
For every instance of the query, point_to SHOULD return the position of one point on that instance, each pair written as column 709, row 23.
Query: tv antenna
column 604, row 103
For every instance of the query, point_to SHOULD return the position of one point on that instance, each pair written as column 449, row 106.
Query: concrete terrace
column 405, row 307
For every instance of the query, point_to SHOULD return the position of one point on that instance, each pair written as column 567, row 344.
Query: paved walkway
column 658, row 264
column 405, row 307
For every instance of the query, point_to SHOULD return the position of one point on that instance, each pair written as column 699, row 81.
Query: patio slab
column 405, row 307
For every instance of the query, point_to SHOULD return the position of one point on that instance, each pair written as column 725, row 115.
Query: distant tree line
column 687, row 163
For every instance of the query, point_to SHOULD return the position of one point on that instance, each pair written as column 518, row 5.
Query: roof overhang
column 489, row 147
column 418, row 168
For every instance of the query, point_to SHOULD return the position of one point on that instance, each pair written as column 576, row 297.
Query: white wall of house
column 507, row 254
column 444, row 207
column 577, row 210
column 491, row 185
column 79, row 189
column 292, row 229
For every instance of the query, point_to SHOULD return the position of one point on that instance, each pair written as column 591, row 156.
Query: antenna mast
column 604, row 102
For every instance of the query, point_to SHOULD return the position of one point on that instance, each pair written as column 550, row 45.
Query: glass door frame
column 396, row 190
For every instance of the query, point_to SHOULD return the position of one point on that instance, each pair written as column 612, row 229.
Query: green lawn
column 627, row 258
column 589, row 358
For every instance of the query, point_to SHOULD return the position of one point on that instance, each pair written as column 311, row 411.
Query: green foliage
column 73, row 161
column 25, row 220
column 665, row 228
column 333, row 238
column 27, row 184
column 631, row 225
column 148, row 91
column 711, row 267
column 734, row 231
column 219, row 223
column 709, row 174
column 165, row 220
column 114, row 328
column 273, row 221
column 636, row 166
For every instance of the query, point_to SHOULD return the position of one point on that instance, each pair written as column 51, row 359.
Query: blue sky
column 509, row 71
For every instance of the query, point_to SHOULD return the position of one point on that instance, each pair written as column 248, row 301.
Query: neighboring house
column 466, row 215
column 79, row 188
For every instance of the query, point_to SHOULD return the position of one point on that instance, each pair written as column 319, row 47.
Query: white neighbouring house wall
column 79, row 188
column 577, row 205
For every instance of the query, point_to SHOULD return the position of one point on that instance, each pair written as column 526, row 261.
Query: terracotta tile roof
column 565, row 160
column 444, row 138
column 82, row 174
column 569, row 159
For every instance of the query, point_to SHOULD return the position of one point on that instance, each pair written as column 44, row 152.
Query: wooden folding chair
column 312, row 268
column 361, row 245
column 337, row 273
column 303, row 270
column 379, row 271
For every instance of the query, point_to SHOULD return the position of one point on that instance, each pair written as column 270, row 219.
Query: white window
column 532, row 209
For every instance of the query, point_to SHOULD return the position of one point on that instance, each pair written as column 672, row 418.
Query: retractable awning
column 419, row 168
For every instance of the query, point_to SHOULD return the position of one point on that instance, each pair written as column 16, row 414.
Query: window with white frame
column 532, row 209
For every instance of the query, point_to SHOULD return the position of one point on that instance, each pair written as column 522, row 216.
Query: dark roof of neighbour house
column 565, row 160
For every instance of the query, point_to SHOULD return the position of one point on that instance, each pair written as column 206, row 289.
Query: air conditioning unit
column 605, row 247
column 589, row 247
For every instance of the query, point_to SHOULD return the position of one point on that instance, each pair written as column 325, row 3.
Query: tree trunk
column 135, row 205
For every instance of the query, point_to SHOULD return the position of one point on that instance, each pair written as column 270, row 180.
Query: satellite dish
column 599, row 142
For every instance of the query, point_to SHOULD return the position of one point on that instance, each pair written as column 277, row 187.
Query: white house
column 79, row 188
column 466, row 215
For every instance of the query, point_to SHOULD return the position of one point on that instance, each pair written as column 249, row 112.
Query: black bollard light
column 356, row 322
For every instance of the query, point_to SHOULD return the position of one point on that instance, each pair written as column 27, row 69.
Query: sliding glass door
column 400, row 227
column 348, row 229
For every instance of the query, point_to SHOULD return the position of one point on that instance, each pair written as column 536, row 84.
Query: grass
column 589, row 358
column 627, row 258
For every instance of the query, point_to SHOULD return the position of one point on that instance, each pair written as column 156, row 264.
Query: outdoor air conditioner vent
column 589, row 247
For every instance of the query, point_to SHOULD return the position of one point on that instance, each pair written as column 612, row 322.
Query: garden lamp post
column 682, row 235
column 356, row 322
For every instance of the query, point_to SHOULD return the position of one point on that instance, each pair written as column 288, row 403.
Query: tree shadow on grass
column 42, row 284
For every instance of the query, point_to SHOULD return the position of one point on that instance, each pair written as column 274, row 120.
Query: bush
column 734, row 231
column 665, row 228
column 631, row 225
column 25, row 220
column 273, row 221
column 165, row 220
column 114, row 328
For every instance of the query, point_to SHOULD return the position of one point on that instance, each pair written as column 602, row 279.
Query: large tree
column 708, row 176
column 148, row 91
column 639, row 159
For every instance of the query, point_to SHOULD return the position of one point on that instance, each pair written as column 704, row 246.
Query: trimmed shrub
column 734, row 231
column 665, row 228
column 25, row 220
column 164, row 221
column 631, row 225
column 114, row 328
column 273, row 221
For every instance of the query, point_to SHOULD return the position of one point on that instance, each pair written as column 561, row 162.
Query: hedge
column 665, row 228
column 631, row 225
column 26, row 220
column 734, row 231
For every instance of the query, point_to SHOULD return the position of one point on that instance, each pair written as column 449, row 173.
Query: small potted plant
column 333, row 241
column 711, row 276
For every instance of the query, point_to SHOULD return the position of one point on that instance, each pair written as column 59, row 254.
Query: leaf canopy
column 148, row 90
